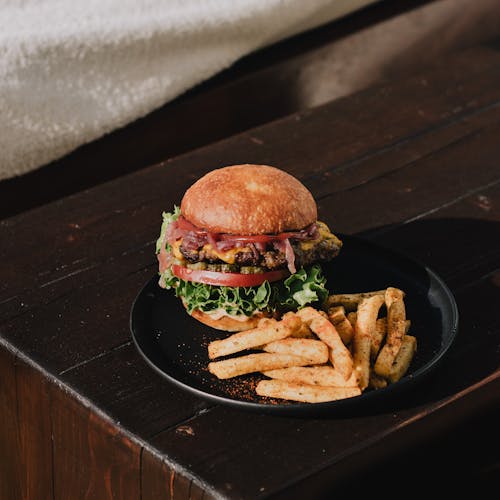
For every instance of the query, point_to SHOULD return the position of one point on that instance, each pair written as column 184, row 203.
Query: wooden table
column 413, row 165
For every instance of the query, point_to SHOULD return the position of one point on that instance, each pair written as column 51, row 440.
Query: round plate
column 175, row 344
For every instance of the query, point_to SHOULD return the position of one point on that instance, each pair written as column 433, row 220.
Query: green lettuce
column 168, row 217
column 298, row 290
column 302, row 288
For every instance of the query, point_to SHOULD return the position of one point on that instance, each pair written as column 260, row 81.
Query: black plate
column 175, row 344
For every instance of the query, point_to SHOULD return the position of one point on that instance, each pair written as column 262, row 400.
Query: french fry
column 403, row 359
column 385, row 359
column 304, row 393
column 350, row 300
column 265, row 322
column 351, row 316
column 396, row 328
column 340, row 356
column 312, row 375
column 324, row 355
column 305, row 348
column 363, row 333
column 267, row 331
column 376, row 381
column 336, row 315
column 392, row 294
column 233, row 367
column 378, row 336
column 303, row 332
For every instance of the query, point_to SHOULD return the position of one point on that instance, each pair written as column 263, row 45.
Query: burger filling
column 207, row 269
column 198, row 249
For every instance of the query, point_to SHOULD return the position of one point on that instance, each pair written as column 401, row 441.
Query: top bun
column 249, row 199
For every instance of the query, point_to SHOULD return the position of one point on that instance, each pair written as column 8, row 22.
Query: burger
column 244, row 244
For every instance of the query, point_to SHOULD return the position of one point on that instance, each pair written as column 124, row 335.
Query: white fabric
column 73, row 70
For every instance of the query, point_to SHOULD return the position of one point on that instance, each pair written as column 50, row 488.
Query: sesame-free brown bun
column 249, row 199
column 227, row 323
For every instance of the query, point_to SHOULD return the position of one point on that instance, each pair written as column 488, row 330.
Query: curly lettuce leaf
column 168, row 217
column 302, row 288
column 206, row 298
column 298, row 290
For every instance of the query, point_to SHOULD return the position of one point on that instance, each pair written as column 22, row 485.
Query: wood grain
column 470, row 224
column 160, row 482
column 419, row 187
column 91, row 456
column 35, row 431
column 411, row 164
column 10, row 460
column 139, row 398
column 25, row 430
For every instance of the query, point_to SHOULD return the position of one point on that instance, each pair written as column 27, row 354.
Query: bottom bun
column 226, row 322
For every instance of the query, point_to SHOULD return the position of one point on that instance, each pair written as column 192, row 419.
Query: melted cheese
column 228, row 256
column 324, row 234
column 176, row 252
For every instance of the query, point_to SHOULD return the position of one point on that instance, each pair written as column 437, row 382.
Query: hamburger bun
column 227, row 323
column 249, row 199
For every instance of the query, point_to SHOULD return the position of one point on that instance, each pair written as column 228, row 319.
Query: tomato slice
column 226, row 279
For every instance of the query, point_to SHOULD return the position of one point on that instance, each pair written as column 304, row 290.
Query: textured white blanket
column 71, row 71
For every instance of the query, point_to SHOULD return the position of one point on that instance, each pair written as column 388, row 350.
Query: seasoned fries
column 340, row 356
column 403, row 358
column 378, row 337
column 303, row 392
column 360, row 341
column 312, row 375
column 376, row 381
column 396, row 328
column 379, row 334
column 250, row 363
column 336, row 315
column 392, row 294
column 364, row 330
column 267, row 331
column 304, row 332
column 305, row 348
column 350, row 301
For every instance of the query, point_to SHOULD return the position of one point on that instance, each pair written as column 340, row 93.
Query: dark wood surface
column 411, row 164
